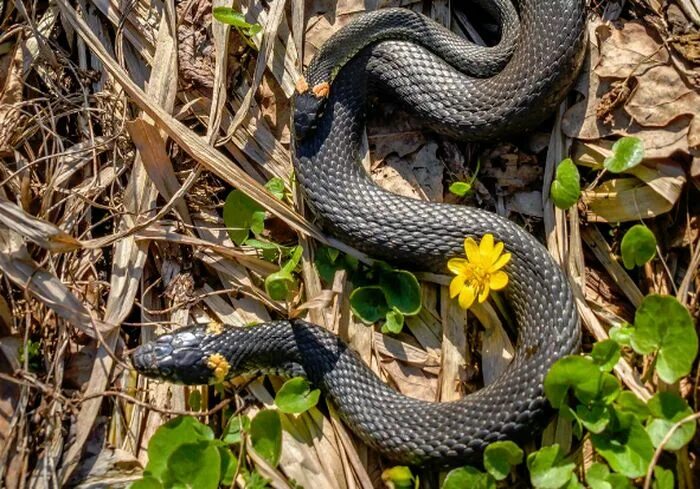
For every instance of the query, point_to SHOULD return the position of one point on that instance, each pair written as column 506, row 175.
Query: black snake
column 468, row 92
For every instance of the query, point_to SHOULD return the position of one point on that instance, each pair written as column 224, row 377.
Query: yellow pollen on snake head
column 321, row 90
column 301, row 85
column 219, row 365
column 215, row 327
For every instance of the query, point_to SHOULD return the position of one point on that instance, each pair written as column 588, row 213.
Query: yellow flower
column 480, row 273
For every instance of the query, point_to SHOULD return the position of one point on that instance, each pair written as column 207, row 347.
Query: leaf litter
column 111, row 227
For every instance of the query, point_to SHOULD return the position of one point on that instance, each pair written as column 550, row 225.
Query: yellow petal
column 486, row 245
column 500, row 263
column 498, row 280
column 456, row 285
column 496, row 252
column 466, row 297
column 484, row 294
column 471, row 249
column 457, row 266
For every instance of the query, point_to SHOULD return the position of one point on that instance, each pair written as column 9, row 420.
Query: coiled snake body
column 423, row 66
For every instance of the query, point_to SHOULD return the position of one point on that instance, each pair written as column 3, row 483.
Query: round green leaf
column 394, row 322
column 369, row 303
column 595, row 419
column 500, row 457
column 599, row 477
column 638, row 246
column 229, row 464
column 266, row 435
column 663, row 479
column 628, row 449
column 668, row 408
column 399, row 477
column 168, row 437
column 234, row 428
column 622, row 334
column 566, row 187
column 296, row 396
column 402, row 291
column 279, row 285
column 628, row 402
column 468, row 477
column 628, row 152
column 547, row 469
column 581, row 375
column 663, row 325
column 146, row 483
column 241, row 216
column 227, row 15
column 460, row 189
column 605, row 354
column 195, row 465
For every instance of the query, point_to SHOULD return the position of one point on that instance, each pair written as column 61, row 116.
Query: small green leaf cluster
column 33, row 352
column 624, row 430
column 185, row 453
column 245, row 222
column 227, row 15
column 548, row 468
column 381, row 293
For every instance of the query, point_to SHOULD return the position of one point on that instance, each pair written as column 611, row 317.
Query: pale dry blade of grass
column 601, row 249
column 455, row 355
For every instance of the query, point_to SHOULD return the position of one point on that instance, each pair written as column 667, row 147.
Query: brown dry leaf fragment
column 419, row 175
column 633, row 89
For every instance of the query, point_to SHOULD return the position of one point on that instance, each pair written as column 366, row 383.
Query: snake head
column 308, row 108
column 177, row 357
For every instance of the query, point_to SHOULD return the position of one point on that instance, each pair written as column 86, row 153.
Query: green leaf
column 168, row 437
column 595, row 419
column 628, row 448
column 234, row 428
column 470, row 477
column 369, row 303
column 460, row 189
column 227, row 15
column 327, row 263
column 663, row 479
column 500, row 457
column 605, row 354
column 253, row 30
column 241, row 216
column 394, row 322
column 276, row 187
column 628, row 402
column 296, row 396
column 663, row 325
column 279, row 285
column 622, row 334
column 566, row 187
column 628, row 152
column 266, row 435
column 195, row 465
column 547, row 468
column 402, row 291
column 668, row 408
column 638, row 246
column 581, row 375
column 599, row 477
column 399, row 477
column 146, row 483
column 229, row 464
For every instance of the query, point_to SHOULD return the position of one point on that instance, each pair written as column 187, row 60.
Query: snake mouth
column 175, row 357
